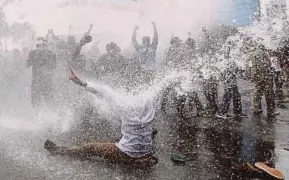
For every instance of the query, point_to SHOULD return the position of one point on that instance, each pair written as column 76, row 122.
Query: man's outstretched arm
column 134, row 41
column 83, row 41
column 156, row 36
column 102, row 92
column 51, row 32
column 29, row 61
column 76, row 80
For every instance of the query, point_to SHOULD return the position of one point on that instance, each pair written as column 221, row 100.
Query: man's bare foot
column 50, row 146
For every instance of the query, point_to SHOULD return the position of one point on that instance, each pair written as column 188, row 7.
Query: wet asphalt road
column 213, row 145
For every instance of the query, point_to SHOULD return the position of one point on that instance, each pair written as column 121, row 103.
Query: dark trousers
column 210, row 87
column 193, row 101
column 41, row 91
column 264, row 87
column 278, row 85
column 231, row 93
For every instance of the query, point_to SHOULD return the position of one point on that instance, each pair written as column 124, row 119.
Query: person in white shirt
column 136, row 144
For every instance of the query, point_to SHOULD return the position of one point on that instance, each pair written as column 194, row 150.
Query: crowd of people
column 266, row 68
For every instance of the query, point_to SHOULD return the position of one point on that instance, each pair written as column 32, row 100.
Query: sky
column 172, row 16
column 117, row 18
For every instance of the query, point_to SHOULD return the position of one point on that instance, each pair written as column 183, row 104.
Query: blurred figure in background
column 111, row 64
column 175, row 55
column 262, row 77
column 43, row 63
column 229, row 77
column 77, row 61
column 147, row 53
column 276, row 68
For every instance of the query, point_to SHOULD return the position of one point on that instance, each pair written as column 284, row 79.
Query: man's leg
column 278, row 85
column 214, row 94
column 101, row 149
column 211, row 94
column 258, row 92
column 194, row 100
column 181, row 102
column 226, row 100
column 106, row 150
column 164, row 98
column 35, row 93
column 206, row 92
column 269, row 95
column 47, row 91
column 237, row 103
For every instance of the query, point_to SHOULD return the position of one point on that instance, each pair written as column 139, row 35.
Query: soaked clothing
column 264, row 88
column 112, row 69
column 231, row 90
column 136, row 117
column 278, row 82
column 147, row 54
column 231, row 93
column 43, row 63
column 110, row 63
column 175, row 57
column 210, row 87
column 262, row 77
column 75, row 61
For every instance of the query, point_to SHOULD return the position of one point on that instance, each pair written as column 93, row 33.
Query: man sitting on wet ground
column 136, row 144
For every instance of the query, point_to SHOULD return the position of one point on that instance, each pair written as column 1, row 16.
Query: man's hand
column 136, row 28
column 204, row 29
column 75, row 79
column 154, row 23
column 50, row 31
column 90, row 26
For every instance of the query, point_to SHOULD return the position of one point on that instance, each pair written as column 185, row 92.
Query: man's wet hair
column 191, row 42
column 174, row 40
column 71, row 39
column 112, row 46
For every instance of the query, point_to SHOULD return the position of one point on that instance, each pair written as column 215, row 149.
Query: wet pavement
column 213, row 146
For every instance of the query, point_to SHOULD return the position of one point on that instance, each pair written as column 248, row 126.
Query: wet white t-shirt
column 136, row 114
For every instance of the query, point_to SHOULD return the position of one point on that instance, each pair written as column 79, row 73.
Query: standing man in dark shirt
column 43, row 62
column 112, row 64
column 147, row 52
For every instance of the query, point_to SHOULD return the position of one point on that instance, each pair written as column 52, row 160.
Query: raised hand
column 50, row 31
column 75, row 79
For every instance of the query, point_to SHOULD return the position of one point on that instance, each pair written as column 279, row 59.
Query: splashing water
column 170, row 18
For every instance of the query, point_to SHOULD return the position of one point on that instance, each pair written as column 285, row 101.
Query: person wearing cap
column 136, row 144
column 43, row 63
column 146, row 52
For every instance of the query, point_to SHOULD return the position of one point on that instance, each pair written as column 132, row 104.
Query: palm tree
column 20, row 31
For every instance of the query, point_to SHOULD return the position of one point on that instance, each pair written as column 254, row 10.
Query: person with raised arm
column 136, row 144
column 147, row 52
column 77, row 61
